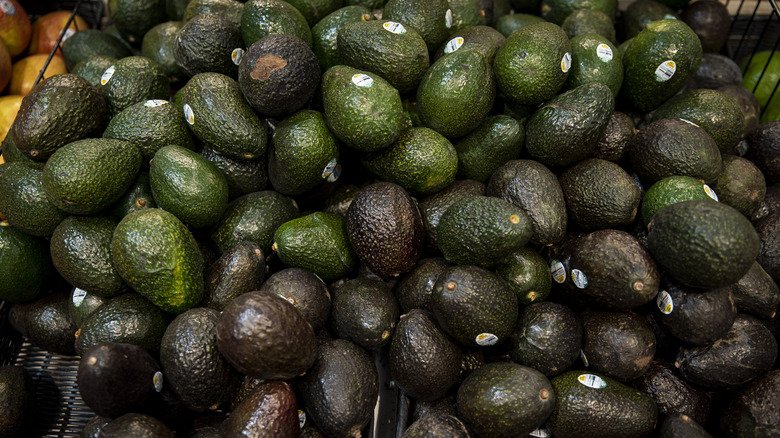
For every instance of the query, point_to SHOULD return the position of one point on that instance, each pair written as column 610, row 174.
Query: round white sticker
column 154, row 103
column 711, row 193
column 592, row 381
column 448, row 18
column 584, row 358
column 453, row 44
column 188, row 114
column 566, row 62
column 579, row 278
column 107, row 75
column 236, row 55
column 78, row 296
column 557, row 271
column 396, row 28
column 332, row 171
column 689, row 122
column 157, row 380
column 664, row 302
column 486, row 339
column 670, row 16
column 665, row 71
column 540, row 433
column 301, row 418
column 362, row 80
column 7, row 7
column 604, row 52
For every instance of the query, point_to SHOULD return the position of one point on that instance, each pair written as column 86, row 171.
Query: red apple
column 15, row 26
column 47, row 28
column 5, row 66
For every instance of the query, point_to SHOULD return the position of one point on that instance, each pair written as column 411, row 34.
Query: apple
column 15, row 27
column 47, row 28
column 5, row 66
column 9, row 106
column 26, row 70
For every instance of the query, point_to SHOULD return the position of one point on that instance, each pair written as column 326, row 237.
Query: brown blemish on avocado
column 265, row 65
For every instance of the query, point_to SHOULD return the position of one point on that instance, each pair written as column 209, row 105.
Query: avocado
column 135, row 425
column 751, row 411
column 717, row 113
column 92, row 68
column 432, row 207
column 747, row 101
column 59, row 110
column 763, row 149
column 595, row 59
column 276, row 343
column 543, row 49
column 242, row 176
column 421, row 160
column 527, row 274
column 437, row 425
column 446, row 405
column 658, row 63
column 456, row 93
column 81, row 252
column 128, row 318
column 218, row 115
column 619, row 345
column 681, row 425
column 396, row 53
column 526, row 400
column 186, row 184
column 756, row 293
column 716, row 71
column 25, row 264
column 158, row 44
column 17, row 398
column 482, row 230
column 614, row 270
column 548, row 337
column 422, row 359
column 672, row 394
column 240, row 269
column 303, row 153
column 744, row 353
column 385, row 229
column 134, row 18
column 265, row 17
column 92, row 42
column 138, row 196
column 673, row 147
column 304, row 290
column 433, row 19
column 12, row 154
column 703, row 243
column 556, row 11
column 193, row 366
column 509, row 23
column 363, row 110
column 87, row 176
column 230, row 9
column 599, row 194
column 278, row 74
column 317, row 242
column 672, row 189
column 325, row 32
column 94, row 426
column 115, row 378
column 131, row 80
column 740, row 184
column 483, row 39
column 710, row 21
column 364, row 311
column 149, row 126
column 695, row 317
column 594, row 405
column 341, row 389
column 45, row 322
column 270, row 411
column 589, row 21
column 474, row 306
column 638, row 14
column 534, row 188
column 465, row 14
column 208, row 43
column 81, row 304
column 414, row 289
column 156, row 255
column 253, row 217
column 768, row 230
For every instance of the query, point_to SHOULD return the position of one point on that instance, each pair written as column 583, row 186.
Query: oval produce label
column 604, row 52
column 7, row 7
column 107, row 75
column 592, row 381
column 78, row 296
column 486, row 339
column 579, row 278
column 236, row 55
column 453, row 44
column 362, row 80
column 665, row 302
column 396, row 28
column 448, row 18
column 557, row 271
column 711, row 193
column 189, row 116
column 566, row 62
column 665, row 71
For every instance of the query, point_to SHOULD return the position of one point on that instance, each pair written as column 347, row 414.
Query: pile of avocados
column 548, row 218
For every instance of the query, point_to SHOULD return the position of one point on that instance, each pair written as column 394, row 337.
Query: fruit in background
column 761, row 72
column 5, row 66
column 9, row 106
column 15, row 26
column 26, row 70
column 47, row 28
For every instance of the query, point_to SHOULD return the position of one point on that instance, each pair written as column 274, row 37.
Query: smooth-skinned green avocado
column 156, row 255
column 24, row 264
column 23, row 200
